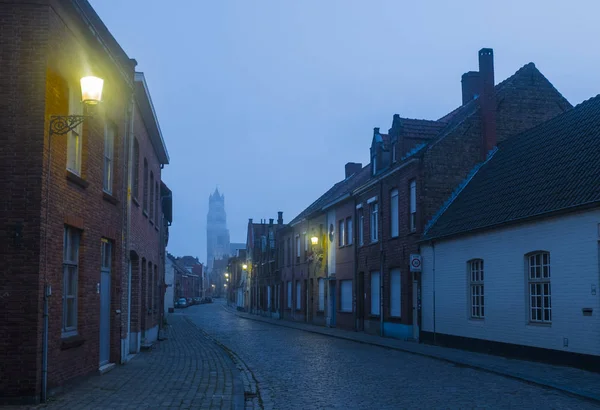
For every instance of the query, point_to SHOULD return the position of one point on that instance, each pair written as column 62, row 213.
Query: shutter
column 321, row 294
column 346, row 296
column 289, row 295
column 375, row 293
column 298, row 295
column 395, row 293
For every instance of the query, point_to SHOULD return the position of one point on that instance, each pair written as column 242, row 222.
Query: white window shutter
column 375, row 293
column 395, row 293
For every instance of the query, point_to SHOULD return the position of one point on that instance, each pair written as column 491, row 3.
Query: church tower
column 217, row 234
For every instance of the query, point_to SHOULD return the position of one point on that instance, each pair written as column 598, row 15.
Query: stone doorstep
column 106, row 368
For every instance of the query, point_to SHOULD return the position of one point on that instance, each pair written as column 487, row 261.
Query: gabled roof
column 144, row 101
column 550, row 168
column 419, row 129
column 334, row 193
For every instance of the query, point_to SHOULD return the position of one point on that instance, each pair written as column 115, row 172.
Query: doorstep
column 106, row 368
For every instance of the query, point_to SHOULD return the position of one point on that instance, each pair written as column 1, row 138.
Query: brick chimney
column 279, row 218
column 352, row 168
column 249, row 220
column 487, row 100
column 471, row 86
column 270, row 221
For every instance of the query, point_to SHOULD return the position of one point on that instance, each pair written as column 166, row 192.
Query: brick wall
column 344, row 261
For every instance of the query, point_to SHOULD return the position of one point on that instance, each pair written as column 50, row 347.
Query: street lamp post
column 91, row 94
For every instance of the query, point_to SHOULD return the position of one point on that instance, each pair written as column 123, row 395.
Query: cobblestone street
column 301, row 370
column 186, row 371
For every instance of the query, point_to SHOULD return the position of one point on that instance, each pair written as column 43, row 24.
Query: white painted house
column 511, row 262
column 169, row 282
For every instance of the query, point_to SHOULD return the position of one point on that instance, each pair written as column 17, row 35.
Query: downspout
column 381, row 257
column 355, row 241
column 433, row 277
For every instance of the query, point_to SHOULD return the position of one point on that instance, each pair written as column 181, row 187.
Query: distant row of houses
column 185, row 277
column 85, row 213
column 480, row 229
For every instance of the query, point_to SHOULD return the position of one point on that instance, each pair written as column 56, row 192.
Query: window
column 145, row 200
column 321, row 294
column 150, row 288
column 348, row 231
column 375, row 292
column 413, row 205
column 70, row 276
column 374, row 164
column 395, row 293
column 476, row 288
column 289, row 295
column 151, row 198
column 157, row 203
column 136, row 168
column 297, row 248
column 305, row 242
column 394, row 224
column 341, row 234
column 269, row 297
column 289, row 251
column 394, row 152
column 346, row 296
column 540, row 306
column 74, row 138
column 298, row 295
column 361, row 227
column 374, row 221
column 106, row 255
column 109, row 147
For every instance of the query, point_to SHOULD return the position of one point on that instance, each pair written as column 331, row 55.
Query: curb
column 523, row 378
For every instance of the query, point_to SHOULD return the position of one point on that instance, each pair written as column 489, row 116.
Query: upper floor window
column 109, row 146
column 476, row 291
column 413, row 205
column 341, row 233
column 151, row 198
column 145, row 199
column 349, row 231
column 374, row 222
column 538, row 278
column 374, row 164
column 157, row 203
column 74, row 138
column 394, row 152
column 70, row 280
column 136, row 169
column 361, row 227
column 394, row 223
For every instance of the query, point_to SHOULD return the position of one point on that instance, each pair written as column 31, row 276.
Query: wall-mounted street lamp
column 226, row 274
column 244, row 266
column 314, row 240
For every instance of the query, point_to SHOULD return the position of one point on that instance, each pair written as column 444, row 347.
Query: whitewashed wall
column 573, row 243
column 169, row 281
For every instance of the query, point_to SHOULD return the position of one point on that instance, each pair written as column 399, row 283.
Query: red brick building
column 64, row 286
column 415, row 168
column 146, row 248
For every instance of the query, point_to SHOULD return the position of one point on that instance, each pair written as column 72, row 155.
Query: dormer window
column 374, row 164
column 394, row 152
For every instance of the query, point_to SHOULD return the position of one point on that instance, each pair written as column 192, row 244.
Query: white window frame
column 375, row 293
column 71, row 242
column 476, row 288
column 297, row 248
column 394, row 216
column 298, row 295
column 539, row 287
column 349, row 236
column 305, row 242
column 341, row 233
column 321, row 282
column 395, row 293
column 289, row 294
column 361, row 227
column 413, row 205
column 75, row 136
column 374, row 227
column 346, row 296
column 109, row 149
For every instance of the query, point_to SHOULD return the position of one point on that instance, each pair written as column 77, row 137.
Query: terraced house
column 70, row 94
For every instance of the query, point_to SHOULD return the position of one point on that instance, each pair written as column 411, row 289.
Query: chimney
column 487, row 100
column 352, row 168
column 249, row 220
column 270, row 221
column 471, row 86
column 375, row 131
column 279, row 218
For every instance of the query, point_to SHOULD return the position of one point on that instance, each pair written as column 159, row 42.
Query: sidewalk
column 569, row 380
column 185, row 371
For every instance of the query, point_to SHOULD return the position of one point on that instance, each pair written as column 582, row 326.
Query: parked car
column 190, row 302
column 208, row 299
column 181, row 303
column 197, row 300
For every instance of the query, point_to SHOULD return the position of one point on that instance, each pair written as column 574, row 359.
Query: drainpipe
column 433, row 276
column 381, row 257
column 355, row 241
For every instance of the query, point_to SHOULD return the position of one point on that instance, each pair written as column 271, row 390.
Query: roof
column 334, row 193
column 421, row 129
column 144, row 101
column 550, row 168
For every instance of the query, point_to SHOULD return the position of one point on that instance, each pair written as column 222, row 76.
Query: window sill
column 77, row 180
column 135, row 201
column 109, row 198
column 71, row 342
column 540, row 324
column 145, row 213
column 413, row 232
column 345, row 312
column 476, row 319
column 156, row 227
column 151, row 222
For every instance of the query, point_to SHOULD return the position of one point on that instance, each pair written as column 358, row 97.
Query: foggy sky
column 268, row 99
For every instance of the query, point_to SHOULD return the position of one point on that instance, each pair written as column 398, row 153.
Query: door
column 333, row 303
column 416, row 305
column 360, row 301
column 105, row 303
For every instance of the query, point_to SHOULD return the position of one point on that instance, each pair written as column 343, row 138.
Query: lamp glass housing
column 91, row 90
column 314, row 240
column 244, row 266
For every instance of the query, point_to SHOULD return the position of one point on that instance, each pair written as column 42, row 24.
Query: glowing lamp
column 91, row 90
column 314, row 240
column 244, row 266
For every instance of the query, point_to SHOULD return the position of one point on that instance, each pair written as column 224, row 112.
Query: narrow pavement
column 296, row 369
